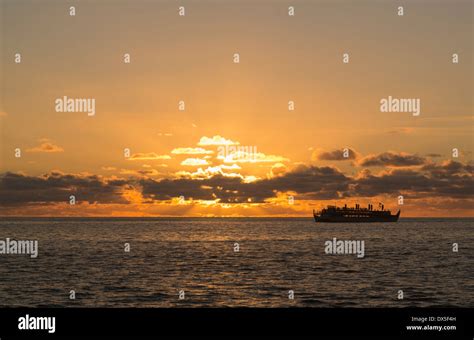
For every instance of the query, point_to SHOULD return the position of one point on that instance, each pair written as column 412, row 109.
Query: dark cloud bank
column 451, row 179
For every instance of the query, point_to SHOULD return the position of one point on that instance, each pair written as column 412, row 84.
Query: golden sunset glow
column 183, row 130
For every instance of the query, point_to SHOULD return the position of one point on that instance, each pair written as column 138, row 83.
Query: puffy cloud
column 250, row 157
column 57, row 187
column 194, row 162
column 46, row 146
column 216, row 140
column 191, row 151
column 449, row 169
column 335, row 155
column 392, row 159
column 210, row 171
column 311, row 182
column 230, row 167
column 450, row 179
column 278, row 169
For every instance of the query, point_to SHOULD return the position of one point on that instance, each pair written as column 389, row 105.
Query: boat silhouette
column 355, row 215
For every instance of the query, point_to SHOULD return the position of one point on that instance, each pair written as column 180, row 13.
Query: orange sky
column 175, row 152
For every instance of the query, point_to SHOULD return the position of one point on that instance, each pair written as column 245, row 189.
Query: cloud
column 216, row 140
column 191, row 151
column 335, row 155
column 140, row 173
column 310, row 182
column 391, row 159
column 147, row 156
column 278, row 169
column 229, row 167
column 448, row 180
column 210, row 171
column 3, row 114
column 448, row 169
column 149, row 172
column 194, row 162
column 57, row 187
column 251, row 157
column 46, row 146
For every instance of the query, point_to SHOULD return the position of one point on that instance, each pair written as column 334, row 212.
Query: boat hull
column 356, row 219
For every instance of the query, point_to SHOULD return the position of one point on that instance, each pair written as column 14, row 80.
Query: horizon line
column 208, row 217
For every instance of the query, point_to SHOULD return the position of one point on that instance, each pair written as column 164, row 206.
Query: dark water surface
column 276, row 255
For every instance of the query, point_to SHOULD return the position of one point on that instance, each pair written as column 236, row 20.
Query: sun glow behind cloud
column 220, row 188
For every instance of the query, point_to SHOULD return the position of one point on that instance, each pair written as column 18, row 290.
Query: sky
column 290, row 161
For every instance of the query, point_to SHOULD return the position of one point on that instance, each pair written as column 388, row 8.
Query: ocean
column 197, row 259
